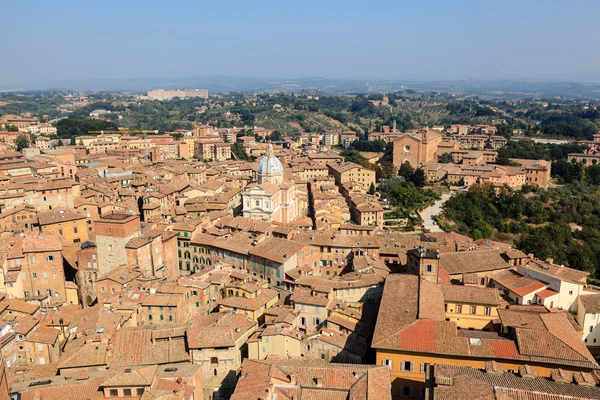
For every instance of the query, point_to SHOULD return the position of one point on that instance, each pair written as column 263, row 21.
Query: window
column 127, row 392
column 34, row 275
column 459, row 309
column 488, row 311
column 257, row 203
column 591, row 328
column 49, row 258
column 31, row 260
column 75, row 231
column 405, row 391
column 214, row 360
column 570, row 293
column 387, row 362
column 473, row 309
column 429, row 268
column 422, row 368
column 139, row 391
column 407, row 366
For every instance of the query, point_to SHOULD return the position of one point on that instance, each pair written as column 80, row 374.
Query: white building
column 563, row 284
column 270, row 198
column 588, row 317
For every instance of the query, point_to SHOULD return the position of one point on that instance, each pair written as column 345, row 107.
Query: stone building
column 113, row 232
column 271, row 198
column 417, row 148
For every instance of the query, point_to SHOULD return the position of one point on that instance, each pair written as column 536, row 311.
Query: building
column 171, row 94
column 38, row 263
column 588, row 318
column 70, row 225
column 113, row 232
column 271, row 198
column 217, row 343
column 494, row 382
column 412, row 332
column 350, row 172
column 416, row 148
column 267, row 380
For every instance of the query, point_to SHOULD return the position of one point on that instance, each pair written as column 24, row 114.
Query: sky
column 393, row 39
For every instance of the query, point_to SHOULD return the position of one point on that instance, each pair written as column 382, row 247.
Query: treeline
column 68, row 128
column 531, row 150
column 560, row 223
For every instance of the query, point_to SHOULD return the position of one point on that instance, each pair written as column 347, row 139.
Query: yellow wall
column 72, row 297
column 416, row 379
column 67, row 230
column 466, row 320
column 280, row 345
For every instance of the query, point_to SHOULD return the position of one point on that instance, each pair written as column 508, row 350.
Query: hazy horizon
column 384, row 40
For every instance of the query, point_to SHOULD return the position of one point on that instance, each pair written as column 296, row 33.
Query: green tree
column 406, row 171
column 12, row 128
column 445, row 158
column 60, row 143
column 385, row 170
column 372, row 189
column 353, row 156
column 276, row 136
column 419, row 178
column 22, row 142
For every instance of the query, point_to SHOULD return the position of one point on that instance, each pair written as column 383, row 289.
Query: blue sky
column 416, row 40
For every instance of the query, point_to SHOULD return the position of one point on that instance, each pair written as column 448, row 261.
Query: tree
column 240, row 153
column 445, row 158
column 385, row 170
column 372, row 188
column 406, row 171
column 353, row 156
column 12, row 128
column 60, row 143
column 276, row 136
column 418, row 178
column 505, row 130
column 22, row 142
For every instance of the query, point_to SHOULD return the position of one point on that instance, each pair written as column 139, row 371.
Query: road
column 431, row 211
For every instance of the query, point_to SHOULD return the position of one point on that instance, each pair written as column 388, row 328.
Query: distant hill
column 219, row 83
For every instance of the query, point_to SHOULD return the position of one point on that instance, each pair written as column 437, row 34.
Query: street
column 432, row 210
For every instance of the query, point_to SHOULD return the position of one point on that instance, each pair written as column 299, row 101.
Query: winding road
column 431, row 211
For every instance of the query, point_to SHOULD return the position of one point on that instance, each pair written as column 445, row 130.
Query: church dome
column 269, row 164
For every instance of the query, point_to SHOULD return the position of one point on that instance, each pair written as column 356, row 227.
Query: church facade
column 270, row 198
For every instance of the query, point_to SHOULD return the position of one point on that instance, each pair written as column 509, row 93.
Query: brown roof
column 460, row 383
column 472, row 261
column 218, row 330
column 42, row 242
column 471, row 295
column 158, row 344
column 57, row 216
column 312, row 381
column 591, row 302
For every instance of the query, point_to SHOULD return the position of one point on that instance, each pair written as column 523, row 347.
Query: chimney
column 527, row 372
column 561, row 376
column 493, row 367
column 584, row 378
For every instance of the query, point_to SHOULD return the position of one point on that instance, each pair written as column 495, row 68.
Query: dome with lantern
column 269, row 164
